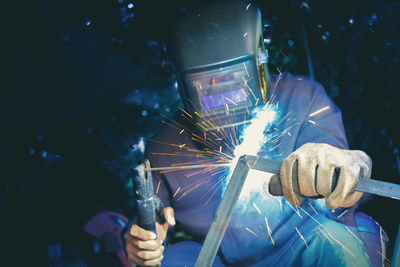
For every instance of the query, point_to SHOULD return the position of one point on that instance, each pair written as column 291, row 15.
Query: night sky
column 84, row 83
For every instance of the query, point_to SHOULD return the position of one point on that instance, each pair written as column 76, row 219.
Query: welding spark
column 312, row 207
column 295, row 209
column 319, row 111
column 251, row 232
column 179, row 188
column 230, row 101
column 158, row 187
column 280, row 202
column 183, row 167
column 252, row 139
column 354, row 235
column 245, row 34
column 329, row 233
column 245, row 69
column 301, row 236
column 181, row 146
column 384, row 258
column 327, row 237
column 255, row 206
column 249, row 141
column 311, row 121
column 269, row 231
column 340, row 243
column 292, row 249
column 253, row 135
column 247, row 7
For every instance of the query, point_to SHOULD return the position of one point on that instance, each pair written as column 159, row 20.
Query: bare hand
column 144, row 247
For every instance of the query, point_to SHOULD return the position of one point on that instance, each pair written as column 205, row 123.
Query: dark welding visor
column 218, row 54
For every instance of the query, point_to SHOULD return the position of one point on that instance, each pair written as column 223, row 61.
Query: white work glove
column 310, row 170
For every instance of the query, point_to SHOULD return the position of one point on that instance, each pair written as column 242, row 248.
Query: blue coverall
column 308, row 236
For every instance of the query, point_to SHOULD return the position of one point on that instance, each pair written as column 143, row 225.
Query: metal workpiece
column 225, row 209
column 263, row 164
column 223, row 215
column 379, row 188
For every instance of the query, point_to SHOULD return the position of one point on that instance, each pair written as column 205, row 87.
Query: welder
column 221, row 66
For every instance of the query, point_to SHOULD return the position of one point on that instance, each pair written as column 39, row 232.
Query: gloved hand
column 310, row 172
column 142, row 246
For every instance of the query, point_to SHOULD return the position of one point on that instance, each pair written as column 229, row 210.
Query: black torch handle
column 146, row 218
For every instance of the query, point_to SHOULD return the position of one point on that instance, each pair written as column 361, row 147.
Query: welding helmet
column 218, row 54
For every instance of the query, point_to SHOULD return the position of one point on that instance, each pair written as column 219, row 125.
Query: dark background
column 85, row 82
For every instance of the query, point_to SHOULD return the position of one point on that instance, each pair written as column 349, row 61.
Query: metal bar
column 379, row 188
column 364, row 185
column 263, row 164
column 396, row 251
column 224, row 213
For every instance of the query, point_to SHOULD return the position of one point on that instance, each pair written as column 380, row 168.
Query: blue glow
column 373, row 19
column 96, row 247
column 225, row 98
column 88, row 22
column 130, row 5
column 144, row 113
column 351, row 21
column 253, row 139
column 44, row 154
column 253, row 136
column 325, row 36
column 31, row 151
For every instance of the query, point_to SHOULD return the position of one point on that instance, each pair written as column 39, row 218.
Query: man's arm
column 322, row 165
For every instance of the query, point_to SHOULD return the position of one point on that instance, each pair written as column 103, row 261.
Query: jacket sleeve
column 323, row 122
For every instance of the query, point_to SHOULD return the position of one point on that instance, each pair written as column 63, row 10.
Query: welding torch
column 148, row 205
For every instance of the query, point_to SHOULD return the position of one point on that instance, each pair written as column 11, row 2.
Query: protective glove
column 316, row 170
